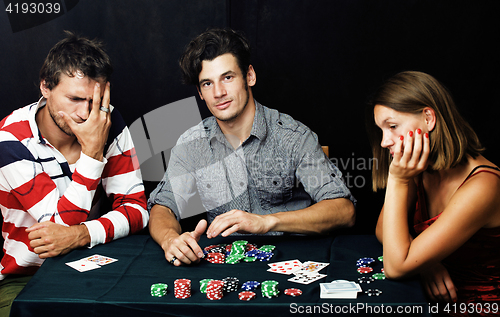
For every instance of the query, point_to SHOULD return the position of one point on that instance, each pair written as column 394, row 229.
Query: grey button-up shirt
column 280, row 167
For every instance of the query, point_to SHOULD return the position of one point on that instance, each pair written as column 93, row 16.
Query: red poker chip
column 247, row 295
column 293, row 292
column 365, row 269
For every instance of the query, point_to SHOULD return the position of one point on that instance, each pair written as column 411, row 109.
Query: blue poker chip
column 264, row 256
column 252, row 252
column 250, row 285
column 365, row 261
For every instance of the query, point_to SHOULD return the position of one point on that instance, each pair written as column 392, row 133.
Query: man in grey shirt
column 256, row 170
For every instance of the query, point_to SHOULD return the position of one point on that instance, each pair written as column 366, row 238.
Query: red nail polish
column 426, row 135
column 419, row 131
column 410, row 133
column 401, row 138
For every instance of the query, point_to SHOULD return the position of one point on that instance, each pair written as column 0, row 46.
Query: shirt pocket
column 275, row 188
column 213, row 186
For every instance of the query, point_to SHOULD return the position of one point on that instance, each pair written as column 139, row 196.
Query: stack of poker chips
column 182, row 288
column 294, row 292
column 159, row 289
column 231, row 284
column 363, row 268
column 215, row 290
column 204, row 284
column 236, row 252
column 246, row 295
column 269, row 289
column 250, row 285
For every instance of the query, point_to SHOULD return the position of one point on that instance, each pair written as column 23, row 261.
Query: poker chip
column 366, row 279
column 215, row 258
column 373, row 292
column 264, row 256
column 246, row 295
column 269, row 289
column 250, row 285
column 159, row 289
column 381, row 258
column 365, row 269
column 379, row 276
column 238, row 251
column 204, row 284
column 230, row 284
column 267, row 248
column 182, row 288
column 293, row 292
column 215, row 290
column 365, row 261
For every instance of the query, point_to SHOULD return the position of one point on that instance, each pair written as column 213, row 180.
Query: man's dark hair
column 208, row 46
column 72, row 54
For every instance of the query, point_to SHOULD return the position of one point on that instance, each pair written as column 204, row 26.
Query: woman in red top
column 438, row 187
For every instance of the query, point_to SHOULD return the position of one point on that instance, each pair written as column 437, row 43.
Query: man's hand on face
column 93, row 133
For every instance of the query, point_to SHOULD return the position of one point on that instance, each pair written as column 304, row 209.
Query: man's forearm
column 163, row 224
column 319, row 218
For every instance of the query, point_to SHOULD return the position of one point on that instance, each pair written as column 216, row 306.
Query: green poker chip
column 159, row 289
column 379, row 276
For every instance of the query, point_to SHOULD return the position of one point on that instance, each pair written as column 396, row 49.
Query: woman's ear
column 430, row 118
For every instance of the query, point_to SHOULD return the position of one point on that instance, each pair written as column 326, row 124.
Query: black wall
column 315, row 60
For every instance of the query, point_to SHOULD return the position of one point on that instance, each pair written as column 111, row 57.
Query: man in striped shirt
column 59, row 159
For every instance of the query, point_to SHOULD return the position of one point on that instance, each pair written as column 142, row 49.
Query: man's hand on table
column 184, row 248
column 239, row 221
column 49, row 239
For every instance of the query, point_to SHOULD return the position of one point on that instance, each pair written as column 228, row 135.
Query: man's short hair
column 208, row 46
column 72, row 54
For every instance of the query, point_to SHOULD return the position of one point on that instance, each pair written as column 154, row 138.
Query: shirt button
column 209, row 186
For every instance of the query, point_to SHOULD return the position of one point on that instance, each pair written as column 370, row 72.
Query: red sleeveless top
column 475, row 266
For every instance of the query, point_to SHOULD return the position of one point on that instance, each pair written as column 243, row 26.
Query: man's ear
column 199, row 91
column 44, row 89
column 430, row 118
column 251, row 76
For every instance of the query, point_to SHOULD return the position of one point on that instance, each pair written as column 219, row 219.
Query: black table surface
column 122, row 288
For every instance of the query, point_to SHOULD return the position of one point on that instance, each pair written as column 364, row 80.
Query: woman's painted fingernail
column 426, row 135
column 401, row 138
column 419, row 131
column 410, row 133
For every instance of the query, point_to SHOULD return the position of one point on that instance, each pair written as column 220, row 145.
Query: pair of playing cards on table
column 339, row 289
column 90, row 263
column 304, row 273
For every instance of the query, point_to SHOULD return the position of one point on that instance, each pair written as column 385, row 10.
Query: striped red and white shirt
column 37, row 184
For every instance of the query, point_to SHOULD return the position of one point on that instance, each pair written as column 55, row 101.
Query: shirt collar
column 37, row 135
column 259, row 126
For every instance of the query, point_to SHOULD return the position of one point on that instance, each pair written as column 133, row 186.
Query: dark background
column 315, row 60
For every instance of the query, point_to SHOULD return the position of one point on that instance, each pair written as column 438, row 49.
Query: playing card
column 285, row 267
column 100, row 259
column 312, row 267
column 306, row 278
column 83, row 265
column 339, row 287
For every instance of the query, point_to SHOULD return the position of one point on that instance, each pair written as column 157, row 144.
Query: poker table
column 123, row 288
